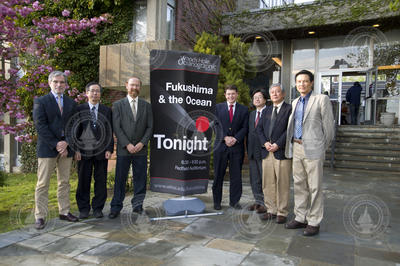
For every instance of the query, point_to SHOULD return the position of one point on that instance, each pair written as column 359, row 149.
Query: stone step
column 364, row 152
column 368, row 172
column 366, row 166
column 371, row 129
column 372, row 135
column 367, row 158
column 368, row 146
column 362, row 139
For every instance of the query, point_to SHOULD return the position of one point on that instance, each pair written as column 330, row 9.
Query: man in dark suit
column 276, row 167
column 95, row 148
column 133, row 126
column 254, row 152
column 50, row 115
column 233, row 118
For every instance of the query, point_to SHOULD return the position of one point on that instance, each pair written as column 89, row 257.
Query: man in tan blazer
column 310, row 132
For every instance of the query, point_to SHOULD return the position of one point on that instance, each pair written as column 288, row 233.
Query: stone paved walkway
column 361, row 227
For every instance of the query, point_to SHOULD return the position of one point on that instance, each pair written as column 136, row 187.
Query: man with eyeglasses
column 51, row 114
column 95, row 145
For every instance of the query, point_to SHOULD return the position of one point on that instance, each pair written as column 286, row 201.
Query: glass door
column 330, row 83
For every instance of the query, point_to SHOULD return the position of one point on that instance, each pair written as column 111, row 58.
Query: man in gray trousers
column 133, row 126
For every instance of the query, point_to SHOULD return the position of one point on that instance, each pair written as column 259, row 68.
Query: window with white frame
column 266, row 4
column 274, row 3
column 171, row 19
column 139, row 27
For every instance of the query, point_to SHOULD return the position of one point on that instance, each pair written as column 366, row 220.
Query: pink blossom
column 37, row 6
column 66, row 13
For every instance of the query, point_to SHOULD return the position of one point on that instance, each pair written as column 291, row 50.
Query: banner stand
column 184, row 207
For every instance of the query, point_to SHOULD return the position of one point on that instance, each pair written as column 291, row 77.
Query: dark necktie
column 230, row 113
column 273, row 119
column 257, row 118
column 93, row 115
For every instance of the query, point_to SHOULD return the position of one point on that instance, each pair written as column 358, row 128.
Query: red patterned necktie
column 230, row 112
column 257, row 118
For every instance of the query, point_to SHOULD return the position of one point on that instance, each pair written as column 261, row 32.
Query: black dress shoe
column 280, row 219
column 113, row 215
column 295, row 225
column 311, row 230
column 268, row 216
column 217, row 207
column 261, row 209
column 236, row 206
column 138, row 210
column 69, row 217
column 39, row 224
column 98, row 214
column 253, row 207
column 83, row 215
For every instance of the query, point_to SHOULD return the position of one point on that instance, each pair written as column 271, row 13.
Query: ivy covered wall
column 321, row 13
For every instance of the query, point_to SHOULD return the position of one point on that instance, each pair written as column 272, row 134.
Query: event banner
column 183, row 87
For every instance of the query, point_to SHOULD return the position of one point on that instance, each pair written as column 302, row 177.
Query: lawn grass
column 17, row 200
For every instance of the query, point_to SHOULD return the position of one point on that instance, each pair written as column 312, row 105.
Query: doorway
column 335, row 84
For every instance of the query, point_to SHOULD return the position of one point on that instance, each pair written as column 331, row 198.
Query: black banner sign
column 183, row 87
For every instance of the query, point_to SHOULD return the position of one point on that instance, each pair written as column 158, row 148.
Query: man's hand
column 108, row 155
column 273, row 148
column 138, row 147
column 130, row 148
column 230, row 141
column 267, row 145
column 78, row 156
column 61, row 146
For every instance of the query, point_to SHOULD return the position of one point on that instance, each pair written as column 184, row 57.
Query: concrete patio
column 361, row 227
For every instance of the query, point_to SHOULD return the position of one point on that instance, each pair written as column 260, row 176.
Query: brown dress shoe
column 261, row 209
column 311, row 230
column 280, row 219
column 253, row 207
column 268, row 216
column 69, row 217
column 295, row 225
column 39, row 224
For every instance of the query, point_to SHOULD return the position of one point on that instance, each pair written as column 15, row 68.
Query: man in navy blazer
column 95, row 147
column 51, row 113
column 276, row 167
column 233, row 118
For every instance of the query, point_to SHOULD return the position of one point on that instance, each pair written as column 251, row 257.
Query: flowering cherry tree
column 30, row 41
